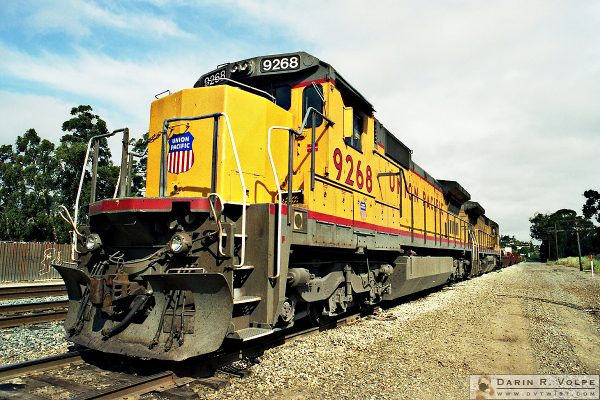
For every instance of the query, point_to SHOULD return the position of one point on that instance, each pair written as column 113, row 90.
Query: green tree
column 560, row 228
column 506, row 240
column 28, row 195
column 591, row 208
column 138, row 179
column 12, row 190
column 40, row 168
column 36, row 177
column 81, row 128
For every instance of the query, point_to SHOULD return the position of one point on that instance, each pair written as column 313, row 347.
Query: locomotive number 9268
column 214, row 78
column 354, row 177
column 279, row 64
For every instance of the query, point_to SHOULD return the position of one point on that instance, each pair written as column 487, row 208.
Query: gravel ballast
column 25, row 343
column 526, row 319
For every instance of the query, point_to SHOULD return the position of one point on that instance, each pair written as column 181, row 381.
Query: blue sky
column 102, row 53
column 502, row 96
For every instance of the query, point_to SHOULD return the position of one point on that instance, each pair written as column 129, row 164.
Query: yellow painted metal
column 341, row 168
column 485, row 235
column 250, row 117
column 348, row 184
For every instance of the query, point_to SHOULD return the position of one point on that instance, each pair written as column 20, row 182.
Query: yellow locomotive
column 272, row 194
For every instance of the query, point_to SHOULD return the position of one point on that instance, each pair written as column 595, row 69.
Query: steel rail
column 134, row 387
column 334, row 323
column 29, row 319
column 40, row 364
column 20, row 292
column 31, row 307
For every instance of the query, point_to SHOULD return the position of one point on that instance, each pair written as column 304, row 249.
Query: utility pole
column 579, row 249
column 556, row 241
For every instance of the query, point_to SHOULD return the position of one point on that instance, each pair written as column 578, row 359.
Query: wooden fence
column 31, row 261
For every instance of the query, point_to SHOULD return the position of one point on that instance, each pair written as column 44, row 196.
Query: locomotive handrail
column 127, row 189
column 121, row 186
column 163, row 165
column 163, row 169
column 425, row 201
column 401, row 172
column 243, row 182
column 291, row 132
column 132, row 154
column 312, row 111
column 475, row 252
column 76, row 211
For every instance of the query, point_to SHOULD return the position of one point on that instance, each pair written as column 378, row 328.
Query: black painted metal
column 215, row 155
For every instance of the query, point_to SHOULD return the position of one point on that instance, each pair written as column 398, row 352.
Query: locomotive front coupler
column 109, row 290
column 106, row 290
column 138, row 303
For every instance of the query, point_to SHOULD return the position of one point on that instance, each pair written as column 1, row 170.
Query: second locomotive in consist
column 272, row 194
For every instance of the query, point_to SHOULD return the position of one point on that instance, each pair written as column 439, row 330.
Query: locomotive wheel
column 315, row 313
column 364, row 306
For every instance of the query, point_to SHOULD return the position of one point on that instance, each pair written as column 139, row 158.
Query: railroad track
column 32, row 313
column 21, row 292
column 86, row 375
column 38, row 365
column 134, row 387
column 68, row 376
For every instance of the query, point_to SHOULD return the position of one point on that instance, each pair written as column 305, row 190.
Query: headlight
column 93, row 242
column 180, row 243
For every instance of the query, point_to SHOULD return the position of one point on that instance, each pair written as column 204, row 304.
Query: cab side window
column 283, row 96
column 355, row 140
column 312, row 96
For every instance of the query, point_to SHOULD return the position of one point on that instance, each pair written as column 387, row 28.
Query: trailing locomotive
column 272, row 194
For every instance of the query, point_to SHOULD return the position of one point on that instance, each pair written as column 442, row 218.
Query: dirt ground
column 525, row 319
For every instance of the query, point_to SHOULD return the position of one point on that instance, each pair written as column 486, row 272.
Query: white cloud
column 120, row 91
column 127, row 86
column 20, row 112
column 501, row 96
column 46, row 115
column 78, row 18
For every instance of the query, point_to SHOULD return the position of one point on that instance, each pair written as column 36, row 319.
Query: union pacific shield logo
column 363, row 210
column 181, row 153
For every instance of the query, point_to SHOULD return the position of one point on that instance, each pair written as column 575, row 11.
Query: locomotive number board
column 214, row 77
column 276, row 64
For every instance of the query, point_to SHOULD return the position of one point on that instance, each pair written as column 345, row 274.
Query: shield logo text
column 181, row 153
